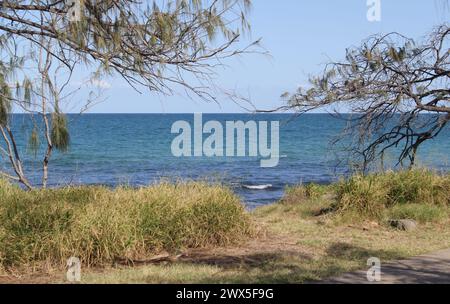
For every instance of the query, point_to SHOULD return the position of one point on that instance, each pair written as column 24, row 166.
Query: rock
column 405, row 225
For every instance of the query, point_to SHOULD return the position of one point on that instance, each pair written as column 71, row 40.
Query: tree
column 160, row 45
column 388, row 84
column 35, row 92
column 156, row 46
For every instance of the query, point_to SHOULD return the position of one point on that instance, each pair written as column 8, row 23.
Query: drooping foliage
column 59, row 132
column 159, row 45
column 151, row 43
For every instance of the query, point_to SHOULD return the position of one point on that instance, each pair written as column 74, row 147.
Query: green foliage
column 397, row 55
column 373, row 194
column 59, row 132
column 5, row 101
column 420, row 195
column 298, row 194
column 422, row 213
column 100, row 225
column 34, row 142
column 147, row 44
column 27, row 87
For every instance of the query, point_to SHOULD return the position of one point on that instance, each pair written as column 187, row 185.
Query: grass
column 312, row 233
column 418, row 212
column 297, row 247
column 100, row 225
column 417, row 194
column 302, row 192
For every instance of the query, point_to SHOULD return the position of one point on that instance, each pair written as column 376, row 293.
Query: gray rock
column 405, row 225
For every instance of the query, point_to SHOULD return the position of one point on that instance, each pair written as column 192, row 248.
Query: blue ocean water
column 135, row 149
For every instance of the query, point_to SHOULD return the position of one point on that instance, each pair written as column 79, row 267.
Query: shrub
column 100, row 225
column 371, row 195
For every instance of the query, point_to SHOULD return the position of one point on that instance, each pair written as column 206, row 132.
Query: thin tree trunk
column 48, row 153
column 14, row 158
column 43, row 69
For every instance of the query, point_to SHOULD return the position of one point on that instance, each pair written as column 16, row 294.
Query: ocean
column 135, row 150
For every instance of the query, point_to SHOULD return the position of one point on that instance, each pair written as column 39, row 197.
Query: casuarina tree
column 162, row 46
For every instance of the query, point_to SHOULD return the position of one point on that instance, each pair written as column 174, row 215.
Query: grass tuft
column 100, row 225
column 372, row 195
column 420, row 195
column 418, row 212
column 300, row 193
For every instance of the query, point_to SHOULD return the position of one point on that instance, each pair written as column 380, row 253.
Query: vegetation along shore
column 196, row 232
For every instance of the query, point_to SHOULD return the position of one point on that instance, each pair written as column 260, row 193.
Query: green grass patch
column 300, row 193
column 421, row 195
column 99, row 225
column 421, row 213
column 313, row 233
column 373, row 195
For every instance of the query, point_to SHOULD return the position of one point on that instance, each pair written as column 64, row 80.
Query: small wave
column 257, row 187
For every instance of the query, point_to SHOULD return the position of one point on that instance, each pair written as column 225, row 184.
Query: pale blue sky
column 300, row 36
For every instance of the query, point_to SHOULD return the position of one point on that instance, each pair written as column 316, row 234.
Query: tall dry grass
column 99, row 225
column 420, row 194
column 403, row 191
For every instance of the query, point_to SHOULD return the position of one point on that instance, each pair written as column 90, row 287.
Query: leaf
column 27, row 86
column 59, row 133
column 34, row 142
column 5, row 102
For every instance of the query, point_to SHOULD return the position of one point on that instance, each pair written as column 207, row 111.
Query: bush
column 371, row 195
column 100, row 225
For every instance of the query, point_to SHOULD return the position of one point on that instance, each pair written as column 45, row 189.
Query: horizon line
column 190, row 113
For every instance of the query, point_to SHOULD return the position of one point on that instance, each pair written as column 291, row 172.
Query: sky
column 300, row 36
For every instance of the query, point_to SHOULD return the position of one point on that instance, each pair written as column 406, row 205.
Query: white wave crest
column 257, row 187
